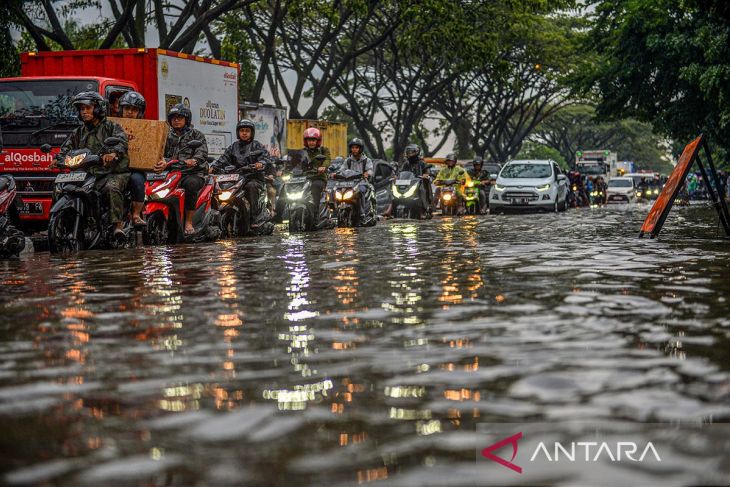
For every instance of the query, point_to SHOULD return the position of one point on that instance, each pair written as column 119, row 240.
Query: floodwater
column 352, row 357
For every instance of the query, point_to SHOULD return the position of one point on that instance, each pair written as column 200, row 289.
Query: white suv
column 530, row 184
column 621, row 189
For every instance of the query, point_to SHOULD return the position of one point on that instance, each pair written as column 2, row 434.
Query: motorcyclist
column 415, row 164
column 113, row 174
column 359, row 162
column 181, row 133
column 317, row 172
column 133, row 105
column 452, row 172
column 237, row 154
column 481, row 178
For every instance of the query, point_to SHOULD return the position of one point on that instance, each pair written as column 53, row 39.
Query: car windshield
column 620, row 183
column 48, row 98
column 527, row 171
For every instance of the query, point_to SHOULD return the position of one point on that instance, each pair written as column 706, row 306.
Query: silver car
column 530, row 184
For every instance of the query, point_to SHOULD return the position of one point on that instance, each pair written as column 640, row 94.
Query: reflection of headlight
column 225, row 196
column 447, row 197
column 499, row 187
column 296, row 196
column 544, row 187
column 470, row 184
column 162, row 193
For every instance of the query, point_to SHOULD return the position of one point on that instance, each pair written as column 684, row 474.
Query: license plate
column 153, row 176
column 297, row 180
column 520, row 201
column 71, row 177
column 35, row 208
column 403, row 182
column 346, row 184
column 227, row 178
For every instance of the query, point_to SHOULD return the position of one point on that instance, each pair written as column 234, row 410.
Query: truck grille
column 34, row 185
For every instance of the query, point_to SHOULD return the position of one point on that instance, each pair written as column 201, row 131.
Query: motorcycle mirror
column 194, row 144
column 46, row 148
column 111, row 141
column 229, row 168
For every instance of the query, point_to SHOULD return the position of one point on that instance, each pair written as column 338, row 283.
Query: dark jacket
column 88, row 136
column 419, row 168
column 483, row 175
column 237, row 155
column 314, row 165
column 176, row 148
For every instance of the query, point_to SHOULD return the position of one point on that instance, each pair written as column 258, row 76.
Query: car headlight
column 544, row 187
column 296, row 196
column 499, row 187
column 225, row 196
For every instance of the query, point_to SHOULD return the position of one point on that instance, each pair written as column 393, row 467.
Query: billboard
column 209, row 90
column 270, row 124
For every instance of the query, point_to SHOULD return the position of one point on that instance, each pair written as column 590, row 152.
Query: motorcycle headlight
column 348, row 194
column 447, row 197
column 638, row 193
column 286, row 177
column 470, row 184
column 75, row 161
column 575, row 188
column 225, row 196
column 296, row 196
column 411, row 191
column 338, row 196
column 161, row 194
column 544, row 187
column 396, row 193
column 656, row 191
column 499, row 187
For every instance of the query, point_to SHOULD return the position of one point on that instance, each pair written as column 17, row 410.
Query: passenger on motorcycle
column 196, row 160
column 452, row 172
column 318, row 172
column 481, row 178
column 113, row 175
column 359, row 162
column 237, row 154
column 133, row 105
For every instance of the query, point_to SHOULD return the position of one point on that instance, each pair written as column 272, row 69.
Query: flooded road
column 356, row 356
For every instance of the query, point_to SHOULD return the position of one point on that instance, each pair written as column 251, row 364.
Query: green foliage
column 664, row 62
column 334, row 114
column 236, row 47
column 533, row 150
column 9, row 58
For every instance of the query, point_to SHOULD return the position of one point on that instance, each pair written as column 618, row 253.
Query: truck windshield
column 593, row 169
column 50, row 99
column 527, row 171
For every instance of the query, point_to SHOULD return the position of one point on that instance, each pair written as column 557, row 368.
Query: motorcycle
column 406, row 196
column 472, row 190
column 164, row 207
column 234, row 207
column 449, row 199
column 299, row 203
column 80, row 215
column 12, row 240
column 345, row 196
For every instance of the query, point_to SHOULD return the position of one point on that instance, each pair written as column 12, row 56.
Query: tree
column 663, row 62
column 533, row 150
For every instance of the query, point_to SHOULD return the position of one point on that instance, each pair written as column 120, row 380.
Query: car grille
column 526, row 195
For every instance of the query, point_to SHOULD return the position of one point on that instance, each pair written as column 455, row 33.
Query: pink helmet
column 313, row 133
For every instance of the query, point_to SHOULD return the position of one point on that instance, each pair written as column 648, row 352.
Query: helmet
column 478, row 161
column 355, row 141
column 246, row 123
column 133, row 99
column 450, row 157
column 313, row 133
column 91, row 98
column 413, row 148
column 181, row 110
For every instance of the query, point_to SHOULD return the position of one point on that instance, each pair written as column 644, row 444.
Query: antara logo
column 580, row 451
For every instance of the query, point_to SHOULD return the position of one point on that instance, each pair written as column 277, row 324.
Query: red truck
column 35, row 109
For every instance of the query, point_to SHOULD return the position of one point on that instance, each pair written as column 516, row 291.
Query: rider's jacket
column 89, row 136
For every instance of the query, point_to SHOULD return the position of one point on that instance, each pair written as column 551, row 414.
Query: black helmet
column 451, row 157
column 91, row 98
column 181, row 110
column 355, row 141
column 246, row 123
column 478, row 161
column 133, row 99
column 415, row 149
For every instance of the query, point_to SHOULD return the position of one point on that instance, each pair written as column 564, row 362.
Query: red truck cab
column 37, row 110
